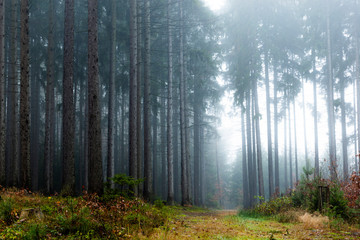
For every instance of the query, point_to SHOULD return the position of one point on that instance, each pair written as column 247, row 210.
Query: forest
column 123, row 101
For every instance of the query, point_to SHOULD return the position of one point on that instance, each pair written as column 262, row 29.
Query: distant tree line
column 281, row 45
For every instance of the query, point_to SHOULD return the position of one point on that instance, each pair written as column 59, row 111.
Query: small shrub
column 287, row 217
column 124, row 185
column 7, row 213
column 274, row 206
column 159, row 204
column 73, row 222
column 36, row 231
column 12, row 233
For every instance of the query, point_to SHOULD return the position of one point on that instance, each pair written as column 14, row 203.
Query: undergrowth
column 341, row 204
column 86, row 217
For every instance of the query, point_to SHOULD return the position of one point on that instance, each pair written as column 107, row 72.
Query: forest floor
column 228, row 224
column 25, row 215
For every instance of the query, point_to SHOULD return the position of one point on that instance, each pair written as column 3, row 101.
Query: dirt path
column 227, row 225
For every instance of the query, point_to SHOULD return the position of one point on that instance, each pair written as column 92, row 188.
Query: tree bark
column 2, row 93
column 170, row 153
column 343, row 131
column 290, row 142
column 138, row 96
column 246, row 199
column 196, row 144
column 110, row 146
column 148, row 163
column 25, row 179
column 268, row 116
column 184, row 177
column 258, row 142
column 68, row 129
column 163, row 143
column 133, row 96
column 49, row 124
column 357, row 64
column 330, row 101
column 316, row 137
column 155, row 142
column 95, row 158
column 295, row 145
column 305, row 128
column 250, row 158
column 12, row 114
column 276, row 134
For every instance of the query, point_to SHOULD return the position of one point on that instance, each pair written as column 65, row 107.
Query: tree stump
column 324, row 196
column 31, row 212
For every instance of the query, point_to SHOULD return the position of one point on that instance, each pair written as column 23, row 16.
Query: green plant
column 72, row 222
column 159, row 204
column 36, row 231
column 274, row 206
column 123, row 187
column 7, row 213
column 12, row 233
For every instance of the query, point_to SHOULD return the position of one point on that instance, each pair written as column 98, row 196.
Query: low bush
column 122, row 186
column 274, row 206
column 7, row 212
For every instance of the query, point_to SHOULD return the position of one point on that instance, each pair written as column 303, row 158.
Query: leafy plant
column 123, row 186
column 274, row 206
column 7, row 213
column 36, row 231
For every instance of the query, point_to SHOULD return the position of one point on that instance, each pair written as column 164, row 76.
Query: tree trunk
column 138, row 96
column 258, row 142
column 35, row 126
column 155, row 138
column 290, row 143
column 177, row 168
column 254, row 148
column 110, row 169
column 343, row 131
column 148, row 164
column 330, row 102
column 162, row 183
column 12, row 115
column 170, row 153
column 184, row 178
column 25, row 179
column 68, row 187
column 317, row 168
column 305, row 128
column 357, row 63
column 124, row 164
column 49, row 147
column 133, row 96
column 2, row 93
column 268, row 116
column 95, row 158
column 196, row 144
column 295, row 145
column 276, row 134
column 245, row 179
column 250, row 158
column 286, row 183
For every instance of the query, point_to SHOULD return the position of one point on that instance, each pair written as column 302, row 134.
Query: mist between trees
column 91, row 89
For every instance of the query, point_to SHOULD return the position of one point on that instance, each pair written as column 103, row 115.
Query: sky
column 214, row 5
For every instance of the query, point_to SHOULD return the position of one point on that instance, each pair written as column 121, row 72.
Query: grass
column 88, row 217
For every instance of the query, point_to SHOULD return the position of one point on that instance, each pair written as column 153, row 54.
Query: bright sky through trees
column 214, row 5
